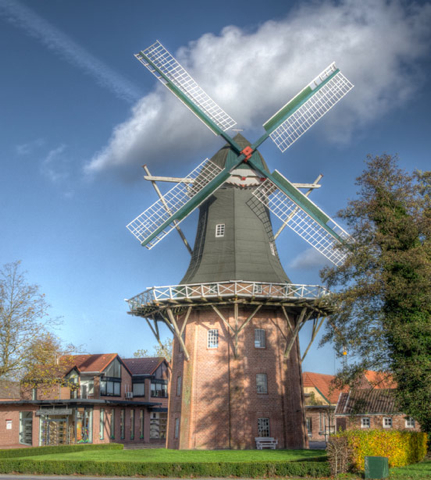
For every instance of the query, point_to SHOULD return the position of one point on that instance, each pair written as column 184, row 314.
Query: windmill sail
column 307, row 107
column 303, row 217
column 180, row 201
column 167, row 70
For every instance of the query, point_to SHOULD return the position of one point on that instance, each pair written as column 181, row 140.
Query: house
column 101, row 398
column 321, row 397
column 369, row 408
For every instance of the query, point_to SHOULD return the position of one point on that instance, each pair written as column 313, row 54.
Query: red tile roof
column 143, row 366
column 324, row 384
column 92, row 363
column 379, row 379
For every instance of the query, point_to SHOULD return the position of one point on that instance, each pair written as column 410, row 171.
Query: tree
column 29, row 351
column 164, row 349
column 382, row 294
column 23, row 319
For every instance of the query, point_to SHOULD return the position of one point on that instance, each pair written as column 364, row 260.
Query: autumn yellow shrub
column 401, row 447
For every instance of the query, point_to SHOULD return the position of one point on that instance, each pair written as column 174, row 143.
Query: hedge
column 401, row 447
column 216, row 469
column 33, row 451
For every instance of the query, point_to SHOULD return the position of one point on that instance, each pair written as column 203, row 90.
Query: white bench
column 265, row 442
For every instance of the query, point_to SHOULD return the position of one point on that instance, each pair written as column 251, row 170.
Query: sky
column 80, row 115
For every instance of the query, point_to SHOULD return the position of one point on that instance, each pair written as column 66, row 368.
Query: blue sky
column 80, row 115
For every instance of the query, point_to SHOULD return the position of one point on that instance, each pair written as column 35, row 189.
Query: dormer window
column 272, row 248
column 220, row 228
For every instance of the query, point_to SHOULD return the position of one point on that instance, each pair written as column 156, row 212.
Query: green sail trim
column 294, row 104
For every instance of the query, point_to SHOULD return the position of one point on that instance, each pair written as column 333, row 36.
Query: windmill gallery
column 235, row 315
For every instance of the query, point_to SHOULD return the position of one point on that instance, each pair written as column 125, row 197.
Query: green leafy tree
column 382, row 294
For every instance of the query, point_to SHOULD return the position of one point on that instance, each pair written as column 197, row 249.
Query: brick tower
column 235, row 315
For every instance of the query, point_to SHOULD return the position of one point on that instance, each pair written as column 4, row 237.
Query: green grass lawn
column 417, row 471
column 176, row 456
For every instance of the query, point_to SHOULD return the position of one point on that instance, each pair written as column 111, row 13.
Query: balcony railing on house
column 220, row 290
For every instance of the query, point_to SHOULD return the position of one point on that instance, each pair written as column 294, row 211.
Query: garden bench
column 265, row 442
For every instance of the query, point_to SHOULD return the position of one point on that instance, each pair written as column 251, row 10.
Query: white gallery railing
column 237, row 288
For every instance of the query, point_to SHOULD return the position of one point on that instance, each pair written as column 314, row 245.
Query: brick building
column 368, row 408
column 103, row 399
column 321, row 398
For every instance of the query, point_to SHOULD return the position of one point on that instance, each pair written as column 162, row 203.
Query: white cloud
column 55, row 40
column 55, row 165
column 309, row 259
column 376, row 43
column 30, row 147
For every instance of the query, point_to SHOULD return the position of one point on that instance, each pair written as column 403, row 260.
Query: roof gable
column 143, row 366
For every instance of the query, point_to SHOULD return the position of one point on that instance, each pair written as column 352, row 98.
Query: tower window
column 263, row 427
column 272, row 248
column 212, row 339
column 178, row 386
column 220, row 228
column 259, row 338
column 261, row 383
column 177, row 428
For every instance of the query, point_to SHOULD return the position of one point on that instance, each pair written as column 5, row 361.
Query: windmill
column 235, row 287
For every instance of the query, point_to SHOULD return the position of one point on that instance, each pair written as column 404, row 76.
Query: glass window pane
column 259, row 338
column 261, row 383
column 263, row 427
column 139, row 389
column 117, row 388
column 212, row 338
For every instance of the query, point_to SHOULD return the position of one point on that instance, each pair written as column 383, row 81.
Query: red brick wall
column 219, row 406
column 319, row 418
column 376, row 422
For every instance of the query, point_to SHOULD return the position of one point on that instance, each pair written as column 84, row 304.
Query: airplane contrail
column 32, row 24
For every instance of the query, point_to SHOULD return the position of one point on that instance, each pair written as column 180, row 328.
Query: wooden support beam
column 177, row 333
column 287, row 318
column 302, row 319
column 313, row 335
column 186, row 319
column 223, row 319
column 249, row 318
column 162, row 198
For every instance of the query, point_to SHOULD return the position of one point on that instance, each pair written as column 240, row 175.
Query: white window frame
column 212, row 338
column 387, row 422
column 365, row 422
column 263, row 427
column 220, row 229
column 259, row 338
column 257, row 289
column 410, row 422
column 262, row 383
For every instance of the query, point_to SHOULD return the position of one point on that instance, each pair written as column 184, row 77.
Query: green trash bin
column 376, row 467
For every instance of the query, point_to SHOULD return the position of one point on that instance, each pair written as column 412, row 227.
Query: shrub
column 402, row 448
column 216, row 469
column 339, row 454
column 33, row 451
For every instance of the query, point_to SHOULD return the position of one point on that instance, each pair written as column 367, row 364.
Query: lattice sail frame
column 179, row 77
column 311, row 111
column 302, row 223
column 143, row 226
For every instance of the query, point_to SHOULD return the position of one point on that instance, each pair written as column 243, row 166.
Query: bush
column 219, row 469
column 33, row 451
column 402, row 448
column 339, row 454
